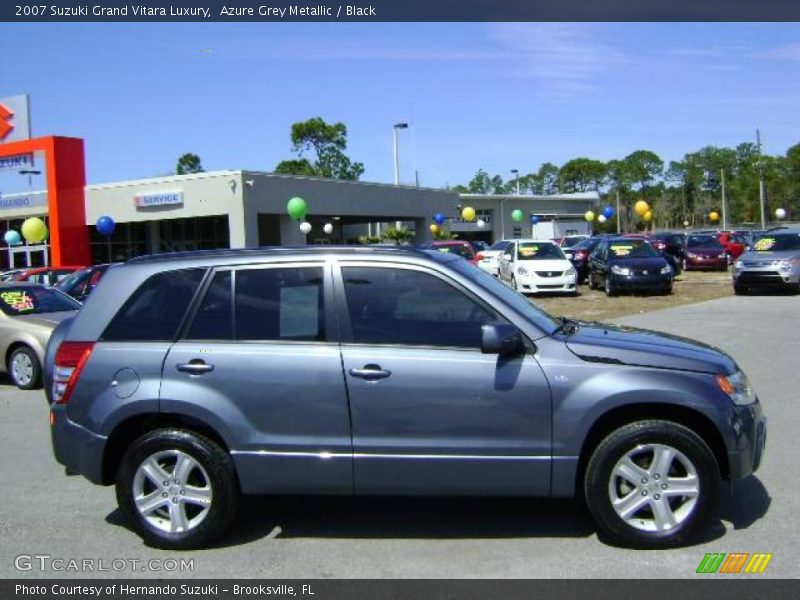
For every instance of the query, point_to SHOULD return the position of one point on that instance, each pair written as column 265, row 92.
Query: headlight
column 620, row 270
column 572, row 272
column 691, row 255
column 522, row 271
column 667, row 270
column 788, row 265
column 737, row 388
column 738, row 265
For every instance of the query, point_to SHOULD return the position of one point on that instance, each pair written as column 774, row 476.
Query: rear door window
column 155, row 310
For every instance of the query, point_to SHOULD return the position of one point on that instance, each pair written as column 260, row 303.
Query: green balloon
column 297, row 208
column 516, row 215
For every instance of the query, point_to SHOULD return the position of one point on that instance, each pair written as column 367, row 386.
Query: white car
column 488, row 259
column 536, row 266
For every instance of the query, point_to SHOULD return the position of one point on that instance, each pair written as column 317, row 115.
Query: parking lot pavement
column 43, row 512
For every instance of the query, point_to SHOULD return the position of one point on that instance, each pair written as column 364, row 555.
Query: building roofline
column 163, row 179
column 577, row 196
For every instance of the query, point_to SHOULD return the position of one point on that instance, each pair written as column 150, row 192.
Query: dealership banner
column 402, row 10
column 362, row 589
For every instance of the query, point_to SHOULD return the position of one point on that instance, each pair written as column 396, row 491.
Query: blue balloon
column 534, row 219
column 608, row 212
column 105, row 225
column 12, row 238
column 439, row 218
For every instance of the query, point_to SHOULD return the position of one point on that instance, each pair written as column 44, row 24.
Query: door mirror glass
column 501, row 338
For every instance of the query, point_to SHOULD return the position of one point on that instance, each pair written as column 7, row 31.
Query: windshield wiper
column 567, row 326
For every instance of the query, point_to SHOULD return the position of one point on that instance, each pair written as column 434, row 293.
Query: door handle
column 195, row 367
column 370, row 373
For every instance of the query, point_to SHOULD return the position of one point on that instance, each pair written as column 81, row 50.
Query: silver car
column 28, row 314
column 772, row 262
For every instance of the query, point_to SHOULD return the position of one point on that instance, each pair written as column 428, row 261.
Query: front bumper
column 707, row 263
column 641, row 282
column 750, row 429
column 566, row 284
column 75, row 447
column 766, row 277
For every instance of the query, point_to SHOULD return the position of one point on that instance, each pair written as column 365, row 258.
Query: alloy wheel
column 22, row 368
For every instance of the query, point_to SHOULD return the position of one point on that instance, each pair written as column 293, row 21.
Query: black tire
column 740, row 290
column 609, row 287
column 221, row 478
column 667, row 291
column 591, row 282
column 635, row 438
column 32, row 379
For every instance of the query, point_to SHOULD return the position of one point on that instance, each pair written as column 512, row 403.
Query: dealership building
column 230, row 209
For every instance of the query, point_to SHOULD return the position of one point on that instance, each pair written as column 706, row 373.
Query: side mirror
column 501, row 338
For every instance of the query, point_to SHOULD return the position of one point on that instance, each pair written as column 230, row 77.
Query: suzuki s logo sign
column 5, row 122
column 15, row 123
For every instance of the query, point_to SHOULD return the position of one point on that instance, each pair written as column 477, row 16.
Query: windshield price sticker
column 528, row 250
column 764, row 244
column 621, row 250
column 17, row 301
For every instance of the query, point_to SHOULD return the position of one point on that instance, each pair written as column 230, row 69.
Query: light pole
column 396, row 127
column 761, row 182
column 515, row 173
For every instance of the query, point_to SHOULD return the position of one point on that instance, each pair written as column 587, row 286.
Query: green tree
column 545, row 181
column 189, row 163
column 482, row 183
column 400, row 236
column 581, row 175
column 296, row 166
column 327, row 142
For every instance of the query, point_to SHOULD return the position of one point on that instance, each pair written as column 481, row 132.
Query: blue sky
column 480, row 95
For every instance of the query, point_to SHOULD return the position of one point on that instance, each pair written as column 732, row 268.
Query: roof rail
column 278, row 250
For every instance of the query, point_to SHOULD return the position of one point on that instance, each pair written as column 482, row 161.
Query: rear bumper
column 75, row 447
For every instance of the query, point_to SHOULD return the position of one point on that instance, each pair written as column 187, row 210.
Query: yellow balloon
column 34, row 230
column 434, row 228
column 641, row 207
column 648, row 216
column 713, row 215
column 468, row 214
column 589, row 216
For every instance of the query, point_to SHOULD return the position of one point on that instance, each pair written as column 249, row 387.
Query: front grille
column 549, row 273
column 757, row 263
column 549, row 287
column 762, row 277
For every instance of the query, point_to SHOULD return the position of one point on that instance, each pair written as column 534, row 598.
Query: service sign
column 15, row 120
column 16, row 163
column 158, row 199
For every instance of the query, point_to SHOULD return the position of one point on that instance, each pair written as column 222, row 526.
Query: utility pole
column 619, row 230
column 724, row 202
column 395, row 128
column 761, row 199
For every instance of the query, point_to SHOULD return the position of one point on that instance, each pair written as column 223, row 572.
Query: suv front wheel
column 651, row 484
column 177, row 488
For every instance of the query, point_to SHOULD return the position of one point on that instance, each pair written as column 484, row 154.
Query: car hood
column 48, row 320
column 770, row 256
column 556, row 264
column 615, row 344
column 650, row 262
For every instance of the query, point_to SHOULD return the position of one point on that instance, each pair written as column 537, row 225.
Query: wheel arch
column 622, row 415
column 134, row 427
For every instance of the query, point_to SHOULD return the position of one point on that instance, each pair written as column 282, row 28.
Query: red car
column 458, row 247
column 46, row 275
column 704, row 251
column 734, row 244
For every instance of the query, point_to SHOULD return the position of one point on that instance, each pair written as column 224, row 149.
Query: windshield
column 71, row 281
column 587, row 244
column 498, row 246
column 515, row 300
column 703, row 241
column 33, row 301
column 461, row 250
column 538, row 251
column 570, row 241
column 631, row 249
column 777, row 243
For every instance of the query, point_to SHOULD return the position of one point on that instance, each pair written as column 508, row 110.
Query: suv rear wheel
column 651, row 484
column 177, row 488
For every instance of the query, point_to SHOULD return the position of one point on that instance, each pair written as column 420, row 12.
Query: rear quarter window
column 154, row 312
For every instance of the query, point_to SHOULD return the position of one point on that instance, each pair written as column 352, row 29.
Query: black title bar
column 399, row 10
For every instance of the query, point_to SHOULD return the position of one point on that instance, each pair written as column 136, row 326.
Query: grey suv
column 187, row 380
column 772, row 261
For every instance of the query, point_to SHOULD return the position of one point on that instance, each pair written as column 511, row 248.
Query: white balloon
column 780, row 213
column 601, row 219
column 481, row 223
column 305, row 227
column 328, row 228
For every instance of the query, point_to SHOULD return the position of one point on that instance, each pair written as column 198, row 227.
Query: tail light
column 70, row 360
column 479, row 256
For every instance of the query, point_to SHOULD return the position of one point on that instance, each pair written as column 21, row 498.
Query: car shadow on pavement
column 749, row 502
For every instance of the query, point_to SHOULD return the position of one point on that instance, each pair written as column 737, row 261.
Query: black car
column 670, row 244
column 578, row 255
column 629, row 264
column 81, row 283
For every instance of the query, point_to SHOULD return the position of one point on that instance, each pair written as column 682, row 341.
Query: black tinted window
column 155, row 311
column 214, row 317
column 280, row 304
column 398, row 306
